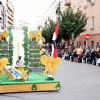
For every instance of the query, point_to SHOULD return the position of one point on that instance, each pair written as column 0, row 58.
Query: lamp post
column 41, row 17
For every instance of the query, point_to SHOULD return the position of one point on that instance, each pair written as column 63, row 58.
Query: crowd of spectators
column 79, row 54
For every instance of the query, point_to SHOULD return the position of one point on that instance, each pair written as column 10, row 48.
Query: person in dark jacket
column 92, row 57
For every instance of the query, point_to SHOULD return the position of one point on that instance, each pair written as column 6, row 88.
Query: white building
column 2, row 17
column 9, row 12
column 51, row 13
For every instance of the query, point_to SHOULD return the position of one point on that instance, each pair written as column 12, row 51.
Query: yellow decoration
column 50, row 64
column 42, row 51
column 3, row 63
column 37, row 37
column 27, row 87
column 21, row 69
column 24, row 78
column 41, row 40
column 4, row 35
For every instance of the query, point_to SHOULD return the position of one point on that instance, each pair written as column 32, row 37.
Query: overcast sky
column 28, row 10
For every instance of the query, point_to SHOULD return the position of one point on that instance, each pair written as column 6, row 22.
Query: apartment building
column 2, row 18
column 51, row 13
column 91, row 8
column 9, row 13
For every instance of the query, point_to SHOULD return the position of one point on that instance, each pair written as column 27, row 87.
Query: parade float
column 35, row 72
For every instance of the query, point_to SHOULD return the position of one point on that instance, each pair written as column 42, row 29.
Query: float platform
column 35, row 82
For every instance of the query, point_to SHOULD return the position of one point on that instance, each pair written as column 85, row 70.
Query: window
column 93, row 2
column 58, row 8
column 92, row 44
column 92, row 22
column 77, row 5
column 85, row 28
column 85, row 43
column 80, row 4
column 85, row 6
column 77, row 43
column 85, row 2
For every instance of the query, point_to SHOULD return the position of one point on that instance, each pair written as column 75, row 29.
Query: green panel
column 34, row 78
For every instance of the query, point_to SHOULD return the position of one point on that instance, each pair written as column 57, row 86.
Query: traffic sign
column 87, row 36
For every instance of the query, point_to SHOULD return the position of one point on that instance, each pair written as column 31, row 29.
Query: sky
column 28, row 10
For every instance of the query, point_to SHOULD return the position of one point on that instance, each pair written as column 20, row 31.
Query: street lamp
column 41, row 17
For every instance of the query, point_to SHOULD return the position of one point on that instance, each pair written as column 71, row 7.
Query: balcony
column 67, row 2
column 0, row 1
column 1, row 17
column 1, row 7
column 9, row 15
column 9, row 8
column 10, row 22
column 58, row 11
column 1, row 23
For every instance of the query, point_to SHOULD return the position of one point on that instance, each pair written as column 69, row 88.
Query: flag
column 54, row 47
column 55, row 35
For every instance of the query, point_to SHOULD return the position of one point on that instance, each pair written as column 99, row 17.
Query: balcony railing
column 8, row 7
column 9, row 21
column 11, row 6
column 1, row 21
column 67, row 2
column 1, row 16
column 58, row 11
column 0, row 1
column 1, row 7
column 8, row 14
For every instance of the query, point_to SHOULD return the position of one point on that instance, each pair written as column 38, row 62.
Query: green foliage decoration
column 58, row 86
column 9, row 29
column 4, row 49
column 34, row 87
column 25, row 45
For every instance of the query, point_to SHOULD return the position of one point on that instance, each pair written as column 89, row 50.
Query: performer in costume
column 19, row 61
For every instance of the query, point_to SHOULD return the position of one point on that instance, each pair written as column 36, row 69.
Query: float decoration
column 25, row 46
column 50, row 65
column 15, row 80
column 3, row 63
column 34, row 52
column 9, row 28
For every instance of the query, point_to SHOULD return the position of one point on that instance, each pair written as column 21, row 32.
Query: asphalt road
column 79, row 81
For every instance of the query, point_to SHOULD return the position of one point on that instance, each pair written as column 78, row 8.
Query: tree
column 72, row 23
column 48, row 30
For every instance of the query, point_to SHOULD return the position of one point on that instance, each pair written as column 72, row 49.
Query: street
column 79, row 81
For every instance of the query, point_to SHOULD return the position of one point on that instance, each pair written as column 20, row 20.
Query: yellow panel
column 46, row 87
column 15, row 88
column 27, row 87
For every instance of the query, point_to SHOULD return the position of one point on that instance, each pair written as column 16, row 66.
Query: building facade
column 9, row 13
column 2, row 16
column 90, row 7
column 51, row 13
